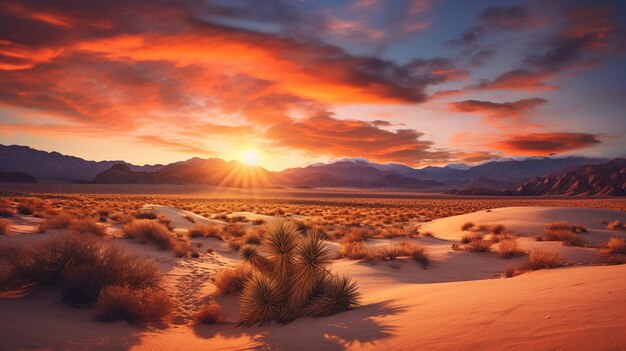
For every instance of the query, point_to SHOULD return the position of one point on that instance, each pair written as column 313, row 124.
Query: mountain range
column 495, row 177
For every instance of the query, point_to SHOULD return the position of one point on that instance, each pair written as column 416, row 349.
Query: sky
column 290, row 83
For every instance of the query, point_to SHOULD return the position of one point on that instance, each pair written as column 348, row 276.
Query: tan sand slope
column 458, row 303
column 529, row 221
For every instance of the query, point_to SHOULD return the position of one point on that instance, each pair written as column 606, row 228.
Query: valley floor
column 460, row 302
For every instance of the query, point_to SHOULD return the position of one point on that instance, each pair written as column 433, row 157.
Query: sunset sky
column 290, row 83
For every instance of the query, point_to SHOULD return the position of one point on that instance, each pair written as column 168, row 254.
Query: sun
column 251, row 157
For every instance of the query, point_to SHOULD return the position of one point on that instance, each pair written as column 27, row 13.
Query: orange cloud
column 546, row 143
column 353, row 138
column 502, row 114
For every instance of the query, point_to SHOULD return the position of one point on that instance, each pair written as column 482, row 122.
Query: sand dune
column 529, row 221
column 458, row 303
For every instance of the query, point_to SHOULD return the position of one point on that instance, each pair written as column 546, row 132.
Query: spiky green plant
column 338, row 294
column 291, row 278
column 312, row 255
column 259, row 301
column 279, row 244
column 251, row 256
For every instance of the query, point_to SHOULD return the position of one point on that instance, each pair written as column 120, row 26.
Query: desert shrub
column 616, row 246
column 236, row 243
column 181, row 248
column 33, row 206
column 386, row 253
column 355, row 234
column 467, row 238
column 88, row 226
column 574, row 228
column 5, row 224
column 146, row 230
column 509, row 248
column 133, row 305
column 615, row 225
column 567, row 237
column 467, row 226
column 59, row 220
column 497, row 229
column 416, row 252
column 353, row 250
column 146, row 215
column 258, row 221
column 229, row 280
column 478, row 246
column 205, row 230
column 6, row 211
column 233, row 230
column 253, row 238
column 290, row 278
column 82, row 265
column 540, row 259
column 210, row 313
column 122, row 218
column 190, row 218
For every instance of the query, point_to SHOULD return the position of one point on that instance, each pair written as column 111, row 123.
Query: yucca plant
column 259, row 301
column 312, row 255
column 290, row 274
column 338, row 294
column 250, row 255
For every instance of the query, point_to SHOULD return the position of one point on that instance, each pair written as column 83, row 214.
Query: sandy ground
column 458, row 303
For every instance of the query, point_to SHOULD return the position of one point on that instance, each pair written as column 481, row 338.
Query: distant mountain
column 604, row 179
column 16, row 177
column 213, row 171
column 356, row 172
column 607, row 179
column 54, row 166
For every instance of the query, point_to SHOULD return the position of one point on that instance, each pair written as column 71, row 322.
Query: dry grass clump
column 567, row 237
column 133, row 305
column 403, row 249
column 233, row 231
column 290, row 279
column 146, row 230
column 353, row 250
column 229, row 280
column 81, row 265
column 205, row 230
column 5, row 224
column 615, row 246
column 6, row 210
column 88, row 226
column 181, row 248
column 616, row 225
column 497, row 229
column 146, row 215
column 537, row 259
column 574, row 228
column 467, row 238
column 509, row 248
column 33, row 206
column 478, row 246
column 210, row 313
column 58, row 220
column 467, row 226
column 354, row 235
column 190, row 218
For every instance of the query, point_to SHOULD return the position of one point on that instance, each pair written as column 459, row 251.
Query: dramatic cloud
column 499, row 113
column 546, row 143
column 353, row 138
column 580, row 43
column 312, row 78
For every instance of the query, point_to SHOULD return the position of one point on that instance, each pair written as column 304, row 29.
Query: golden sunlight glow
column 251, row 157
